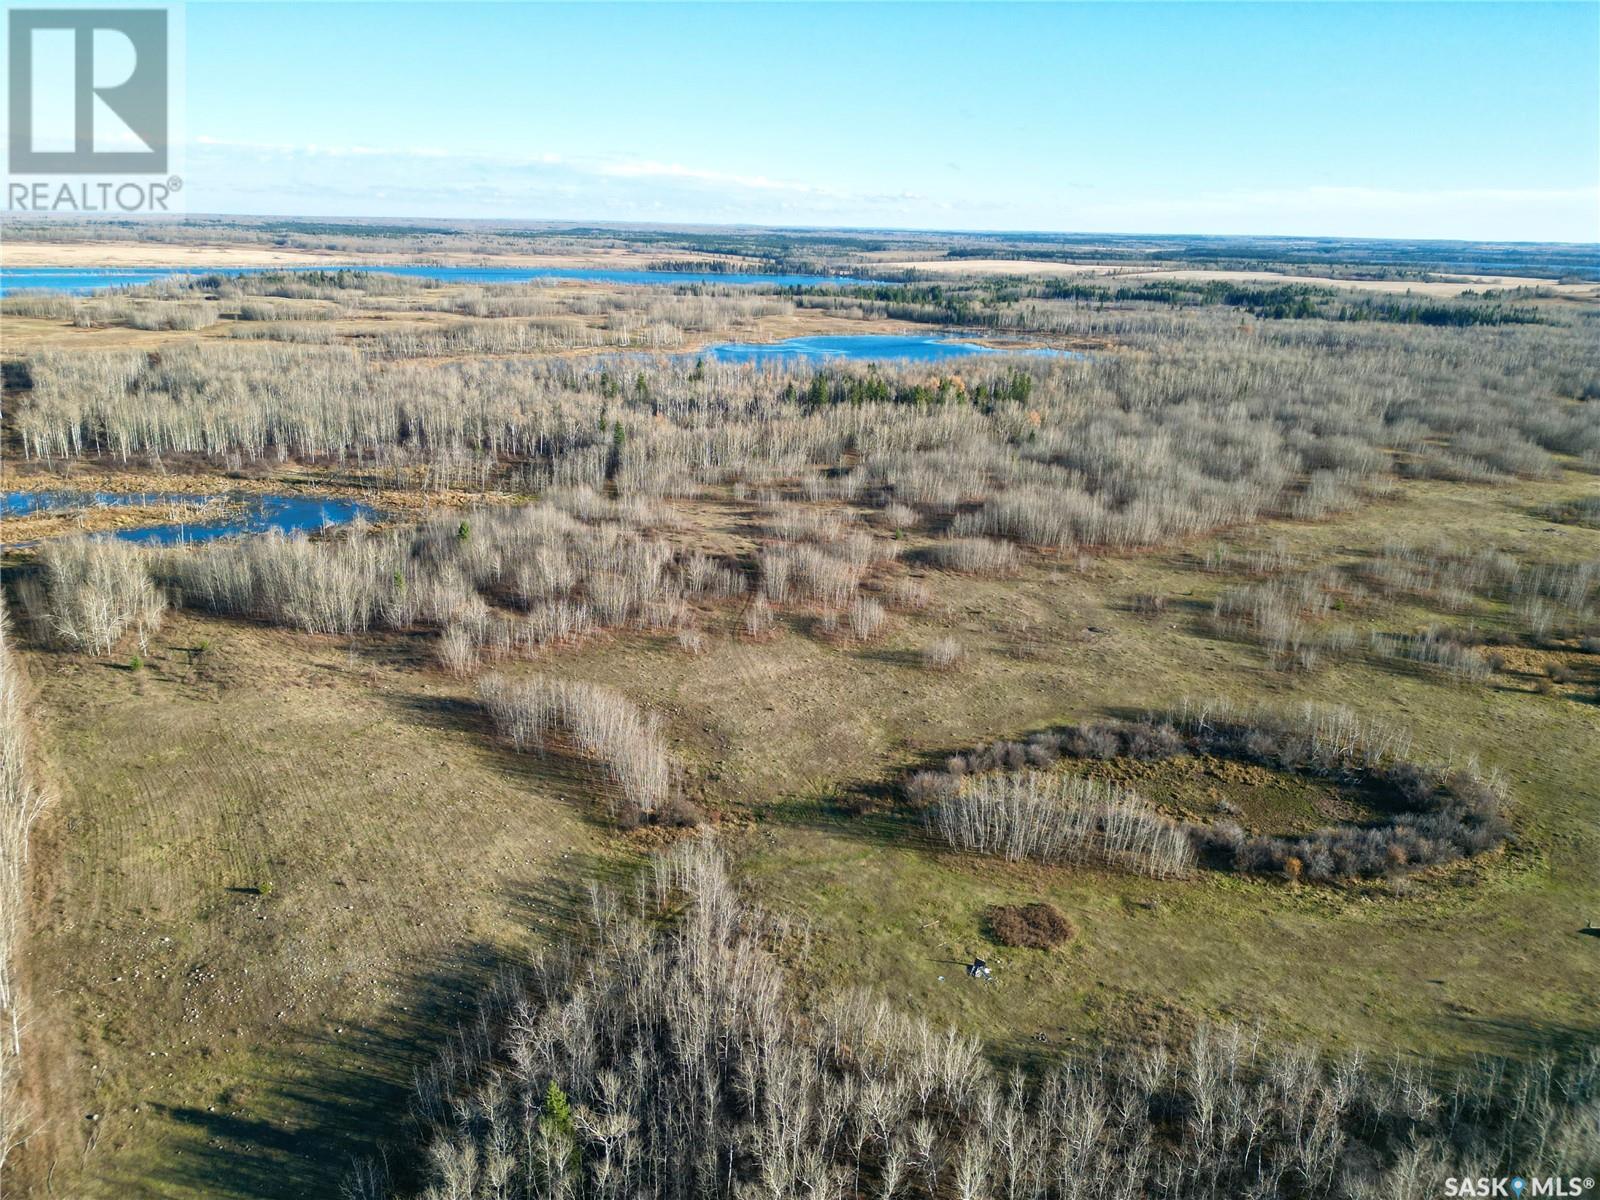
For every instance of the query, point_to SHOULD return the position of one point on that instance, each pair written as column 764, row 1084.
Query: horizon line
column 12, row 217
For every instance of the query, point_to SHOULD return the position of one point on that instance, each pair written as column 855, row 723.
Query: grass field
column 282, row 864
column 276, row 873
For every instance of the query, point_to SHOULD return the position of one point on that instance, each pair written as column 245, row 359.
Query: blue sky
column 1474, row 120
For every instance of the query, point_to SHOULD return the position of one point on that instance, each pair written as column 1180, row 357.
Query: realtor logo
column 88, row 91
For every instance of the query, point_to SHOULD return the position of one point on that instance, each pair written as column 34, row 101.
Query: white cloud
column 1483, row 213
column 656, row 170
column 233, row 176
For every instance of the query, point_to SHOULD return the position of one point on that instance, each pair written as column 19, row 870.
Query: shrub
column 867, row 619
column 1091, row 741
column 975, row 556
column 705, row 576
column 1583, row 511
column 942, row 654
column 993, row 799
column 758, row 619
column 909, row 595
column 897, row 516
column 776, row 567
column 1056, row 819
column 679, row 813
column 1145, row 740
column 1436, row 649
column 821, row 577
column 458, row 650
column 1030, row 926
column 925, row 788
column 1149, row 741
column 92, row 590
column 45, row 305
column 172, row 316
column 599, row 721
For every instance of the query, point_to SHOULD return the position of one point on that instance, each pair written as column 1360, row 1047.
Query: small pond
column 866, row 347
column 260, row 514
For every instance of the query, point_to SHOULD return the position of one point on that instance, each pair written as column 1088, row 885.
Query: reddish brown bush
column 1033, row 926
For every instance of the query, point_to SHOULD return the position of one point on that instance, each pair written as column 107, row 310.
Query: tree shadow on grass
column 341, row 1093
column 892, row 658
column 867, row 810
column 561, row 906
column 1519, row 1038
column 450, row 713
column 557, row 771
column 335, row 1094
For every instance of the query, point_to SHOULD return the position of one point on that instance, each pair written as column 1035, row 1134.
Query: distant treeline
column 765, row 243
column 1337, row 257
column 972, row 303
column 1299, row 301
column 930, row 303
column 348, row 229
column 755, row 265
column 1358, row 258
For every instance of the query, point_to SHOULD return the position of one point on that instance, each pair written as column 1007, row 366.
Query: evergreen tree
column 556, row 1122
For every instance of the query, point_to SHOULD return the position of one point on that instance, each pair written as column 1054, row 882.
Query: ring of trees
column 1002, row 798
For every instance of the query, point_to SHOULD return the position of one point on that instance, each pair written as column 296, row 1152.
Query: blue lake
column 261, row 514
column 864, row 347
column 80, row 280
